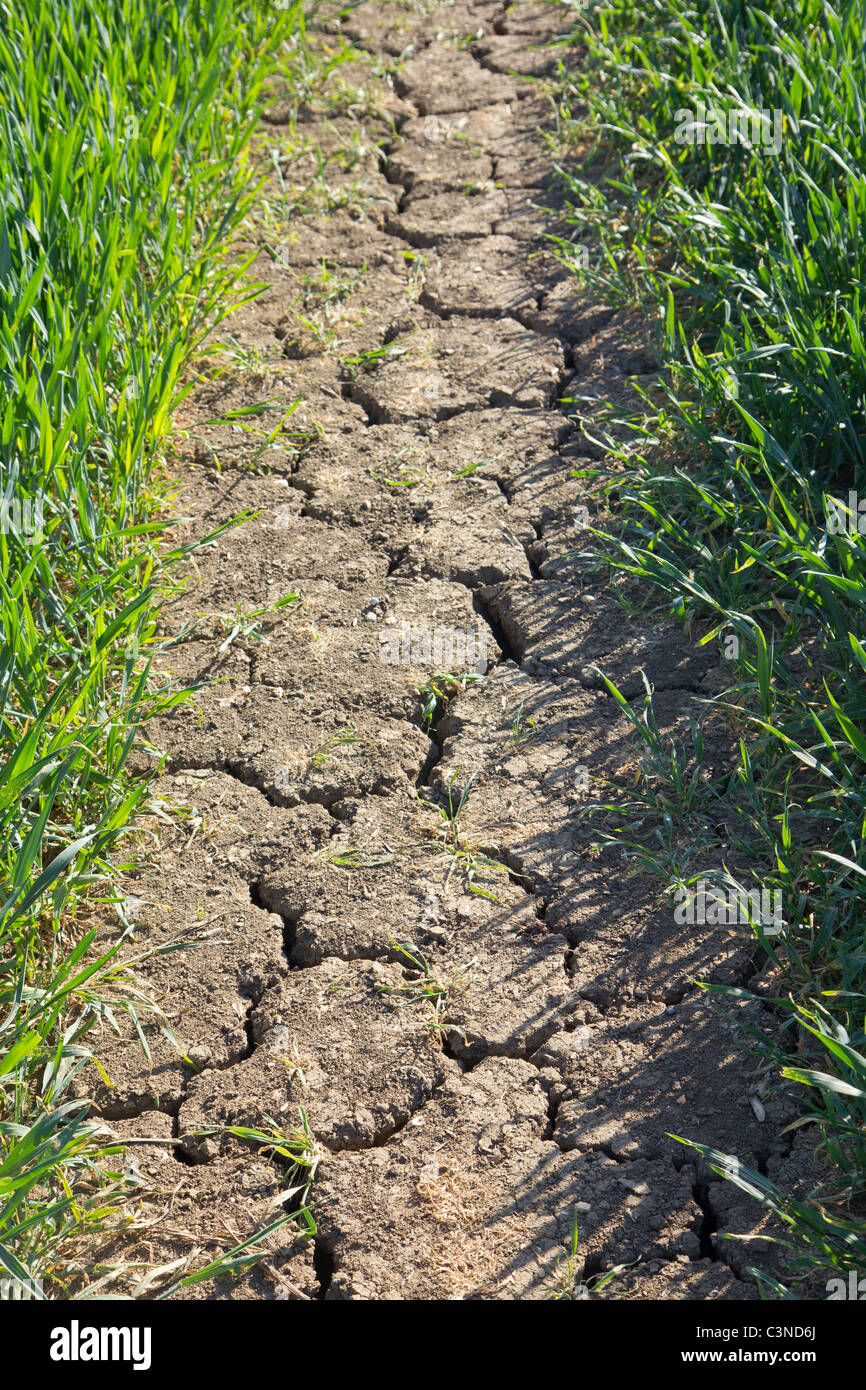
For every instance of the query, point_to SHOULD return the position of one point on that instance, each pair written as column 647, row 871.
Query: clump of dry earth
column 432, row 339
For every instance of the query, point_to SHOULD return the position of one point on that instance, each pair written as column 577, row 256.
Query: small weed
column 523, row 727
column 470, row 468
column 463, row 855
column 244, row 626
column 322, row 754
column 439, row 690
column 567, row 1282
column 426, row 987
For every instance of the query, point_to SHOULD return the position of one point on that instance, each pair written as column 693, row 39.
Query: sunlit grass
column 124, row 174
column 750, row 259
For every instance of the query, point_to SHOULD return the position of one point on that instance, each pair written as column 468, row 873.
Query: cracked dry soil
column 574, row 1042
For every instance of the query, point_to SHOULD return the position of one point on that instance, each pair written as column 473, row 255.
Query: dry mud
column 297, row 819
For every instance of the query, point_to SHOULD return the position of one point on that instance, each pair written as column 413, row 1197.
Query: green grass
column 567, row 1283
column 124, row 173
column 424, row 986
column 751, row 263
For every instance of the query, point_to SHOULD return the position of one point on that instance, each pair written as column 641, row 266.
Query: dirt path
column 427, row 525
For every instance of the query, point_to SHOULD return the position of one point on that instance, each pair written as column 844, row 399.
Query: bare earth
column 299, row 817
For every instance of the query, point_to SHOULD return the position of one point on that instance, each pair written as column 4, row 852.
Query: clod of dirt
column 338, row 1040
